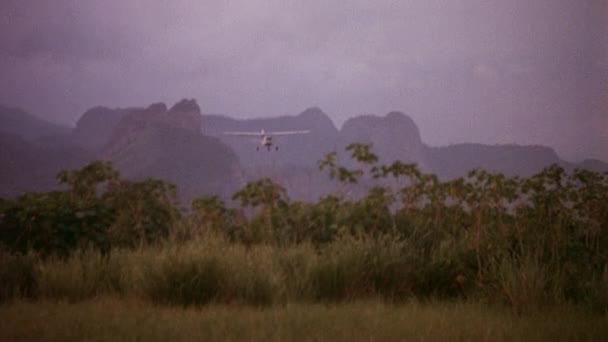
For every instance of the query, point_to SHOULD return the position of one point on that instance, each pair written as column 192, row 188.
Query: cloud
column 485, row 73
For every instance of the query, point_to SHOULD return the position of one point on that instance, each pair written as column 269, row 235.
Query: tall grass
column 17, row 276
column 211, row 270
column 359, row 267
column 85, row 274
column 527, row 284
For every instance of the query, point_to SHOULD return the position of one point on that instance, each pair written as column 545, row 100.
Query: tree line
column 545, row 233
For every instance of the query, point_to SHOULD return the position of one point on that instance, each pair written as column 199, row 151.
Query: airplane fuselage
column 266, row 141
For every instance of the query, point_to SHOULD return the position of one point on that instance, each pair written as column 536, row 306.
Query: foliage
column 17, row 276
column 527, row 243
column 97, row 210
column 209, row 270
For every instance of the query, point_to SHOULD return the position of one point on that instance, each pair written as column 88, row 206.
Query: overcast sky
column 490, row 71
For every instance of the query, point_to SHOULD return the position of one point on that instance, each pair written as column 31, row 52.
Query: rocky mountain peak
column 313, row 112
column 95, row 126
column 186, row 114
column 316, row 120
column 183, row 115
column 395, row 136
column 400, row 121
column 186, row 106
column 158, row 108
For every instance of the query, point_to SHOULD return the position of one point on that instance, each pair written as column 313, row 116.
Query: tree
column 145, row 211
column 266, row 194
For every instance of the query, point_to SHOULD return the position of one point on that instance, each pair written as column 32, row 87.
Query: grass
column 112, row 319
column 351, row 289
column 215, row 271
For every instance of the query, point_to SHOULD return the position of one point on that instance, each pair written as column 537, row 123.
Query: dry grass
column 108, row 319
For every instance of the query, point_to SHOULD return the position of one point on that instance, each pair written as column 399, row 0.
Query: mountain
column 393, row 137
column 591, row 165
column 33, row 151
column 168, row 144
column 141, row 142
column 28, row 166
column 182, row 146
column 512, row 160
column 27, row 126
column 95, row 127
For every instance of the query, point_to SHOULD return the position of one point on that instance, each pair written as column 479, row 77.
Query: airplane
column 266, row 137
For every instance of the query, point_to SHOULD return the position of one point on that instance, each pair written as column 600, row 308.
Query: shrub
column 527, row 285
column 184, row 280
column 295, row 264
column 17, row 276
column 210, row 270
column 84, row 274
column 359, row 267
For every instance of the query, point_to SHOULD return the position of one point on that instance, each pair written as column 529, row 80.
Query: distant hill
column 393, row 137
column 17, row 122
column 95, row 127
column 28, row 166
column 512, row 160
column 591, row 165
column 33, row 151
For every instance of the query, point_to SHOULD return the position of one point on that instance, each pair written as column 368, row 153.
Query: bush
column 17, row 276
column 295, row 264
column 595, row 293
column 84, row 274
column 209, row 271
column 184, row 280
column 360, row 267
column 527, row 285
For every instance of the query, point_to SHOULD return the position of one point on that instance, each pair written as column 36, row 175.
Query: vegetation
column 394, row 233
column 109, row 319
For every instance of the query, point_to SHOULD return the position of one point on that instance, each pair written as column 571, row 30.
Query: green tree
column 145, row 211
column 270, row 197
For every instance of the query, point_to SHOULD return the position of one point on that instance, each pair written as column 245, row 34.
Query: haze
column 518, row 71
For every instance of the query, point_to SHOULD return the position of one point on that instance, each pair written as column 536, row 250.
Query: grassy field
column 114, row 319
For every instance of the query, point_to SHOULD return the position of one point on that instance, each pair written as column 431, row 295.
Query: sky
column 483, row 71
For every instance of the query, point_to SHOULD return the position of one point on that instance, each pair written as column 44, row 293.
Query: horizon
column 472, row 71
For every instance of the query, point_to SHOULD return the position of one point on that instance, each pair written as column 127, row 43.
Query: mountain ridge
column 190, row 149
column 17, row 121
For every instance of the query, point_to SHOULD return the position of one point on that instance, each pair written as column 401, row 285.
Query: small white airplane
column 266, row 137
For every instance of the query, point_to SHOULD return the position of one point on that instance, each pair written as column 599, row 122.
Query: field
column 112, row 319
column 211, row 289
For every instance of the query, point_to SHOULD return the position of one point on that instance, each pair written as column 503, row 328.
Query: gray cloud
column 476, row 70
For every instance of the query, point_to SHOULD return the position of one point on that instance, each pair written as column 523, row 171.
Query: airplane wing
column 245, row 134
column 288, row 132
